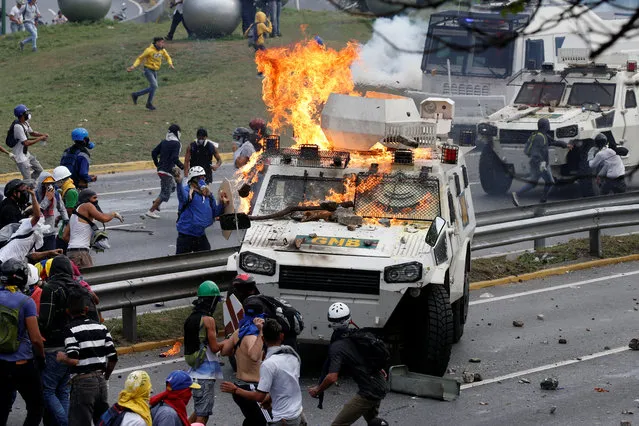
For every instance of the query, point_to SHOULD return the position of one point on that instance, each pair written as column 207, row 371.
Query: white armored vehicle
column 580, row 99
column 386, row 231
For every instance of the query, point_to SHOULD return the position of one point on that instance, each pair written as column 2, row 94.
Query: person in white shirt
column 279, row 380
column 609, row 167
column 15, row 16
column 25, row 136
column 178, row 16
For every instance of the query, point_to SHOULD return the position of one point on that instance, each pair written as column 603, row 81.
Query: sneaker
column 35, row 49
column 152, row 215
column 150, row 107
column 159, row 304
column 515, row 199
column 21, row 46
column 135, row 98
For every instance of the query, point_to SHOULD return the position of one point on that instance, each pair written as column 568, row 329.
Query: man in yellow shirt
column 151, row 58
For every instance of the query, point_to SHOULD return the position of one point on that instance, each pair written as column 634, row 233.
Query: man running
column 151, row 58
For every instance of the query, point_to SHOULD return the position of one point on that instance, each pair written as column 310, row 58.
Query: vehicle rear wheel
column 429, row 331
column 460, row 309
column 493, row 174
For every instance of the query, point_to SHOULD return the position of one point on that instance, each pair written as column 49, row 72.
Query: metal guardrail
column 128, row 285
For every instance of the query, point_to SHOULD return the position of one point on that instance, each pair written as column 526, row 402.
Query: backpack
column 11, row 140
column 113, row 416
column 99, row 238
column 9, row 320
column 530, row 143
column 68, row 160
column 290, row 318
column 252, row 35
column 372, row 349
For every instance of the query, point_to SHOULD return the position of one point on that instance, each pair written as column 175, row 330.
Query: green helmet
column 208, row 289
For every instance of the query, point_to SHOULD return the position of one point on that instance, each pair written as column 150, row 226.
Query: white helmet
column 34, row 275
column 339, row 315
column 195, row 172
column 60, row 173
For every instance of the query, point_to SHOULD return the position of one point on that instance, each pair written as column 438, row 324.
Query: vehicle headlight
column 403, row 273
column 567, row 132
column 251, row 262
column 486, row 129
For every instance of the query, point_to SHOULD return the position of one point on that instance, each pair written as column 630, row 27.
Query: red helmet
column 257, row 124
column 243, row 281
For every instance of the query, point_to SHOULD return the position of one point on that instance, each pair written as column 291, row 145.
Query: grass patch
column 78, row 78
column 576, row 250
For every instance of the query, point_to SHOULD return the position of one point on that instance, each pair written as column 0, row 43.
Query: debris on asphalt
column 486, row 295
column 600, row 390
column 625, row 423
column 553, row 409
column 468, row 377
column 483, row 403
column 451, row 371
column 478, row 377
column 587, row 329
column 540, row 317
column 606, row 348
column 518, row 323
column 475, row 360
column 634, row 344
column 627, row 412
column 544, row 342
column 524, row 380
column 563, row 341
column 351, row 227
column 549, row 383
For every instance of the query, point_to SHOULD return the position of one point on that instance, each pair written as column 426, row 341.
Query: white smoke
column 383, row 64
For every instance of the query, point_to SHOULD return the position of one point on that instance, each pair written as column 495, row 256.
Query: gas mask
column 27, row 116
column 23, row 197
column 88, row 143
column 200, row 142
column 201, row 182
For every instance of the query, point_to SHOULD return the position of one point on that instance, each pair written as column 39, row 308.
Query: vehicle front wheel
column 493, row 174
column 429, row 332
column 460, row 309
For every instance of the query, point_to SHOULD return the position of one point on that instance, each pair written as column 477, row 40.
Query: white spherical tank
column 84, row 10
column 212, row 18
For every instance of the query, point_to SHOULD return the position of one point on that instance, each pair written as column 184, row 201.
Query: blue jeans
column 152, row 77
column 56, row 391
column 275, row 9
column 15, row 28
column 31, row 28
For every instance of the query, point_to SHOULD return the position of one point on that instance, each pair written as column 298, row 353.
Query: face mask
column 200, row 141
column 23, row 197
column 201, row 182
column 179, row 134
column 90, row 145
column 28, row 116
column 97, row 206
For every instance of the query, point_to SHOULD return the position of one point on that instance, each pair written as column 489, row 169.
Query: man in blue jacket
column 197, row 211
column 77, row 158
column 166, row 156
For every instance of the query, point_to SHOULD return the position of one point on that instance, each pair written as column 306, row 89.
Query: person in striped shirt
column 91, row 354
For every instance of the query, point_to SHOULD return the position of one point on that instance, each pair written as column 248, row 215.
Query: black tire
column 493, row 175
column 460, row 309
column 429, row 338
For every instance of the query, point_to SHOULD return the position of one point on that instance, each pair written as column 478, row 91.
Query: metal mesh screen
column 397, row 196
column 308, row 156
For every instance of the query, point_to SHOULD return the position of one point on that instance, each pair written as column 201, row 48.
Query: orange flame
column 173, row 351
column 297, row 83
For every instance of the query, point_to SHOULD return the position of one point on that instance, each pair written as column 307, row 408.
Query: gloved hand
column 118, row 216
column 13, row 157
column 542, row 166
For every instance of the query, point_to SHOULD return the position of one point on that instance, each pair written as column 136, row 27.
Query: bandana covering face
column 176, row 400
column 135, row 395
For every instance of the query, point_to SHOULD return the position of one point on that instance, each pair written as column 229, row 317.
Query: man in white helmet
column 347, row 354
column 197, row 210
column 70, row 195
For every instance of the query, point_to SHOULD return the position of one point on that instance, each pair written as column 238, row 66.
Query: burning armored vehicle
column 580, row 99
column 383, row 221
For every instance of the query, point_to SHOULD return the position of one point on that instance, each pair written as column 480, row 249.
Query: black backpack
column 252, row 35
column 11, row 140
column 372, row 349
column 113, row 416
column 290, row 318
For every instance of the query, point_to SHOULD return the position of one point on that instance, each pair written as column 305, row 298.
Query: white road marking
column 146, row 366
column 141, row 11
column 546, row 367
column 554, row 288
column 155, row 188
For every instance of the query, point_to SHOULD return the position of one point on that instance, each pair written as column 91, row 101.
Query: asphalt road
column 594, row 310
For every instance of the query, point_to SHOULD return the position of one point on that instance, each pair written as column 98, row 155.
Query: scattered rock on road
column 634, row 344
column 606, row 348
column 518, row 323
column 553, row 409
column 540, row 317
column 563, row 341
column 627, row 412
column 625, row 423
column 524, row 380
column 486, row 295
column 478, row 377
column 475, row 360
column 549, row 383
column 468, row 377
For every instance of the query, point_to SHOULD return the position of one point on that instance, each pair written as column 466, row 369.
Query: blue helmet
column 78, row 134
column 20, row 110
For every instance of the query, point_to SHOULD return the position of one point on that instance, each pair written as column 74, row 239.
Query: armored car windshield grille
column 397, row 196
column 308, row 156
column 329, row 280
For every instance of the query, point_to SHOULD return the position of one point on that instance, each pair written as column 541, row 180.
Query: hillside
column 78, row 78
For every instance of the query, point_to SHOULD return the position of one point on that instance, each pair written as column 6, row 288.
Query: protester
column 91, row 356
column 243, row 148
column 24, row 136
column 200, row 349
column 169, row 407
column 279, row 379
column 246, row 344
column 69, row 194
column 201, row 152
column 50, row 200
column 258, row 126
column 274, row 8
column 15, row 202
column 31, row 14
column 166, row 157
column 178, row 17
column 151, row 58
column 77, row 158
column 261, row 28
column 344, row 355
column 609, row 167
column 21, row 347
column 132, row 408
column 79, row 232
column 15, row 16
column 197, row 210
column 60, row 18
column 34, row 286
column 248, row 13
